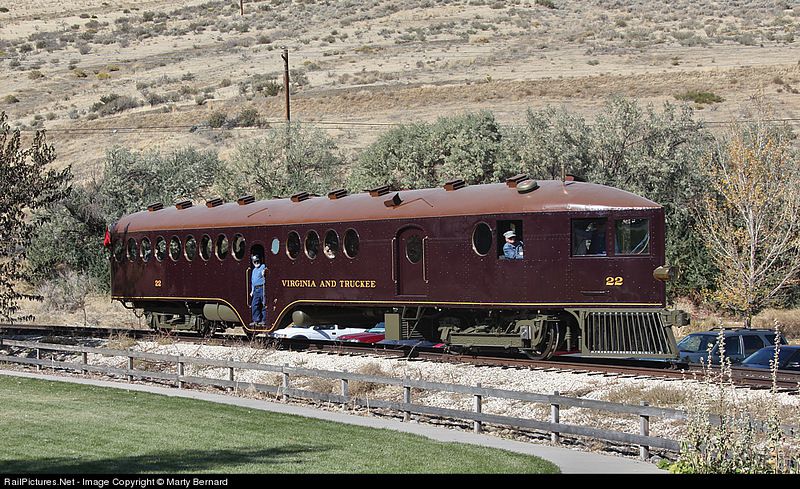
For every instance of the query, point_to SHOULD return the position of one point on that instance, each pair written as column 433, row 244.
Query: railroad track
column 751, row 378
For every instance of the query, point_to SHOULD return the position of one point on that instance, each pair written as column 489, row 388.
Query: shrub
column 285, row 161
column 114, row 104
column 425, row 155
column 699, row 97
column 10, row 99
column 217, row 119
column 248, row 117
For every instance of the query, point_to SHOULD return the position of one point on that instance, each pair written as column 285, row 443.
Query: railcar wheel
column 547, row 346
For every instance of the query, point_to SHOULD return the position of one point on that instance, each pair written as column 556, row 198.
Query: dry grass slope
column 371, row 62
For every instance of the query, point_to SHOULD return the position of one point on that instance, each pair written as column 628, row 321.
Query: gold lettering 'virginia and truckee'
column 342, row 284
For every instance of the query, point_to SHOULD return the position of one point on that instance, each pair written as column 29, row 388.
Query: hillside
column 147, row 74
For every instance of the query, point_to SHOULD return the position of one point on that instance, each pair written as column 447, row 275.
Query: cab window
column 632, row 237
column 589, row 237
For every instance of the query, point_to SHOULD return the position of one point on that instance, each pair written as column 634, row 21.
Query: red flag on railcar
column 107, row 239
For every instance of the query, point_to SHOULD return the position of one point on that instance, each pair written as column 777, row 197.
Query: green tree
column 69, row 233
column 650, row 153
column 26, row 184
column 287, row 160
column 424, row 155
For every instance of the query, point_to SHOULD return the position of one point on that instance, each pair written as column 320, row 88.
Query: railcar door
column 410, row 262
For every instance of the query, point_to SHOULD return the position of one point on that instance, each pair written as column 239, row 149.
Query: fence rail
column 644, row 412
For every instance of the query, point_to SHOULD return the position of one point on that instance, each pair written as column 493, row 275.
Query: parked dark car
column 739, row 344
column 788, row 358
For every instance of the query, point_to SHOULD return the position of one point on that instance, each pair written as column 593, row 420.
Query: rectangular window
column 509, row 240
column 589, row 237
column 752, row 344
column 632, row 237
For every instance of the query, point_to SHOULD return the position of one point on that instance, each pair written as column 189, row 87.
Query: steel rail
column 739, row 376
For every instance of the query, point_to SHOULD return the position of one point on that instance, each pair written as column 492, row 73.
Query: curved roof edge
column 498, row 198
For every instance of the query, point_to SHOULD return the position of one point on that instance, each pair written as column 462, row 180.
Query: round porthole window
column 331, row 247
column 147, row 250
column 190, row 248
column 161, row 248
column 238, row 247
column 206, row 247
column 222, row 246
column 482, row 239
column 175, row 248
column 351, row 243
column 312, row 244
column 293, row 245
column 133, row 250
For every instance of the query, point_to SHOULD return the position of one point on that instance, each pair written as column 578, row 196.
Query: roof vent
column 527, row 186
column 378, row 191
column 301, row 196
column 516, row 180
column 454, row 184
column 337, row 194
column 244, row 200
column 157, row 206
column 394, row 201
column 184, row 204
column 214, row 202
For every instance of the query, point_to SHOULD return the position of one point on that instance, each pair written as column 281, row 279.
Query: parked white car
column 322, row 332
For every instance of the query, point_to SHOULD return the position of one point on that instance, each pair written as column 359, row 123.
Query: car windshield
column 697, row 342
column 377, row 329
column 764, row 355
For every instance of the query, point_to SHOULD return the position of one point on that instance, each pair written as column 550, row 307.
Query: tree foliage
column 287, row 160
column 425, row 155
column 751, row 219
column 27, row 183
column 650, row 153
column 69, row 233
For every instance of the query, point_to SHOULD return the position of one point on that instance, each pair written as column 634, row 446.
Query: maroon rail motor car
column 588, row 278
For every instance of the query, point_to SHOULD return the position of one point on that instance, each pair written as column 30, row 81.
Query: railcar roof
column 551, row 196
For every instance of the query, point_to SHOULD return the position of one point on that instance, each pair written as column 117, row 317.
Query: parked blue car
column 740, row 343
column 788, row 358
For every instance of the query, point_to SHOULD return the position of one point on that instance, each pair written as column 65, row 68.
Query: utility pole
column 241, row 7
column 285, row 57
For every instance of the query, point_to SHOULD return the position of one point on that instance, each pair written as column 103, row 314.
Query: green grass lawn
column 54, row 427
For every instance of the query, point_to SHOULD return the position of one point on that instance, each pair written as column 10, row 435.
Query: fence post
column 644, row 430
column 231, row 376
column 285, row 383
column 39, row 357
column 345, row 393
column 130, row 367
column 85, row 361
column 477, row 425
column 554, row 418
column 407, row 400
column 181, row 367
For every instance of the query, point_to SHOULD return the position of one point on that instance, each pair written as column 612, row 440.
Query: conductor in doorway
column 257, row 279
